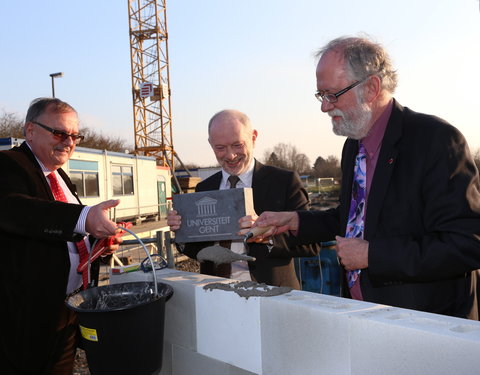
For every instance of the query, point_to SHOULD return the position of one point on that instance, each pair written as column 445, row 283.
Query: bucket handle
column 144, row 248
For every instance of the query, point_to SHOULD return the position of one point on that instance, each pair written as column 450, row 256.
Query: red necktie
column 59, row 195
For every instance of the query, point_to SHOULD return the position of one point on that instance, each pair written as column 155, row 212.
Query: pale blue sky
column 252, row 55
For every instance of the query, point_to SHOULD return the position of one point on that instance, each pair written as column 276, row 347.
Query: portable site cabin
column 202, row 173
column 142, row 187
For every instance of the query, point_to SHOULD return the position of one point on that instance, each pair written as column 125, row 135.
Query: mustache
column 66, row 149
column 335, row 112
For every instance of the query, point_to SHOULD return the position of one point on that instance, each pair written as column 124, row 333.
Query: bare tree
column 102, row 142
column 11, row 126
column 287, row 156
column 301, row 164
column 274, row 160
column 329, row 167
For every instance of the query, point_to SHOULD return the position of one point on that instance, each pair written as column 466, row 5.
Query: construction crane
column 151, row 80
column 151, row 83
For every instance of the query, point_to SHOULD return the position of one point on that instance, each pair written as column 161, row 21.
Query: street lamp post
column 55, row 75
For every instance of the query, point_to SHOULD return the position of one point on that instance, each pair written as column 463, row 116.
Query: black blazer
column 34, row 258
column 274, row 189
column 422, row 221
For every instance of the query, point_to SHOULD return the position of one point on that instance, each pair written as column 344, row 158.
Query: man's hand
column 112, row 244
column 279, row 221
column 246, row 224
column 97, row 223
column 106, row 246
column 174, row 220
column 352, row 253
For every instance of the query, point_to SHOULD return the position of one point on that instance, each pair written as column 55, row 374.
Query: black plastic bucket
column 122, row 327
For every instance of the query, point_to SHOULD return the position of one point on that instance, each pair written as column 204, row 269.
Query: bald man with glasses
column 43, row 233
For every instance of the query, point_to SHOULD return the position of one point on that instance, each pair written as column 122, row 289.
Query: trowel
column 220, row 255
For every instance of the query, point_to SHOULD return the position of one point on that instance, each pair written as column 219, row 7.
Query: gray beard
column 354, row 123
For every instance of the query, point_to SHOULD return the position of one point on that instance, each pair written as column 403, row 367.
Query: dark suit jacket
column 421, row 222
column 274, row 189
column 34, row 259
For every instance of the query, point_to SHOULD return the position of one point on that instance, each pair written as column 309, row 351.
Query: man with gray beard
column 408, row 224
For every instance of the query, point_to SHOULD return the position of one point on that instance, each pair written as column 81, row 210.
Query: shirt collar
column 45, row 170
column 374, row 138
column 245, row 178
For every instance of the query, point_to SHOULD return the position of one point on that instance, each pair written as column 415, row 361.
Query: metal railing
column 161, row 244
column 159, row 209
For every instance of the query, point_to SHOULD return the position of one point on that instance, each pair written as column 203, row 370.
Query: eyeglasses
column 333, row 98
column 61, row 136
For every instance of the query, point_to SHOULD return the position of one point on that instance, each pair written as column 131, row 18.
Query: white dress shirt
column 240, row 269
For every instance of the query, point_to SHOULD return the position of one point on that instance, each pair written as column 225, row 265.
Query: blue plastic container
column 321, row 274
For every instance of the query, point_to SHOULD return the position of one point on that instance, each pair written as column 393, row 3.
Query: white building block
column 399, row 341
column 186, row 362
column 219, row 332
column 228, row 328
column 307, row 333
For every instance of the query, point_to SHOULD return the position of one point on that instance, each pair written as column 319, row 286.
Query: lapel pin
column 390, row 161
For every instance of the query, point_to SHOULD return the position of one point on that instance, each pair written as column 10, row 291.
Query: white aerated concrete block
column 180, row 321
column 307, row 333
column 413, row 343
column 219, row 332
column 186, row 362
column 228, row 328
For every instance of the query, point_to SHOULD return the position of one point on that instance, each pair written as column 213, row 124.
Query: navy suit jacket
column 422, row 221
column 274, row 189
column 34, row 229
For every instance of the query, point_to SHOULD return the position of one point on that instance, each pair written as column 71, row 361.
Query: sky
column 252, row 55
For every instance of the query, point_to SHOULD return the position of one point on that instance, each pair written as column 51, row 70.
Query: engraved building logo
column 206, row 206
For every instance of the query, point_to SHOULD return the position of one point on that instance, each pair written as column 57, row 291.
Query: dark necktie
column 59, row 195
column 225, row 270
column 355, row 225
column 233, row 181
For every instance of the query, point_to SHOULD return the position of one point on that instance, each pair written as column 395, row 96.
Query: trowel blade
column 220, row 255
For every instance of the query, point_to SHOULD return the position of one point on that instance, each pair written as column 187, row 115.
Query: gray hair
column 364, row 58
column 40, row 105
column 231, row 113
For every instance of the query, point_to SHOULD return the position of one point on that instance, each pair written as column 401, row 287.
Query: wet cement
column 117, row 297
column 249, row 289
column 219, row 255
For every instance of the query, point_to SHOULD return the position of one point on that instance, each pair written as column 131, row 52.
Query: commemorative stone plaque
column 212, row 215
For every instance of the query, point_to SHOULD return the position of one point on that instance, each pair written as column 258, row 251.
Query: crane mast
column 151, row 80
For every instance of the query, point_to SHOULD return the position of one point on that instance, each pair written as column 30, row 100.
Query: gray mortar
column 249, row 289
column 219, row 255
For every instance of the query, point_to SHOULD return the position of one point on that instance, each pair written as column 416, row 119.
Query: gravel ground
column 81, row 366
column 188, row 265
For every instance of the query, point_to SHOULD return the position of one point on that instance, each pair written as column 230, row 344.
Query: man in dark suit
column 416, row 243
column 232, row 139
column 39, row 257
